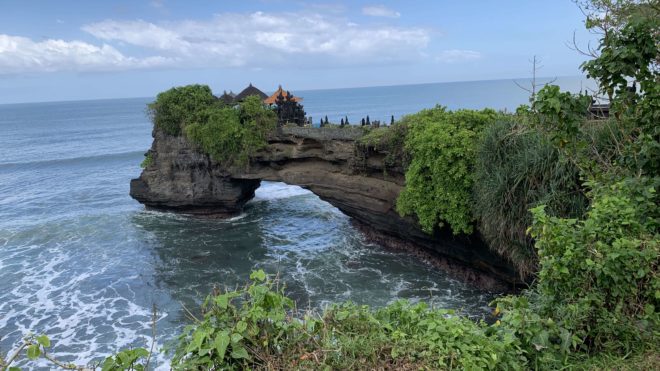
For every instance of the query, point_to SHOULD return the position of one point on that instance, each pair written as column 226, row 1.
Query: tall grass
column 517, row 169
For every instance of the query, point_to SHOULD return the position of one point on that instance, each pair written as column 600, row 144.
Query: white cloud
column 380, row 11
column 258, row 39
column 252, row 40
column 21, row 54
column 457, row 55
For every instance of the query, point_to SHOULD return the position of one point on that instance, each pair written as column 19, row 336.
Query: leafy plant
column 389, row 140
column 598, row 287
column 36, row 347
column 229, row 135
column 560, row 113
column 442, row 145
column 148, row 160
column 240, row 328
column 178, row 107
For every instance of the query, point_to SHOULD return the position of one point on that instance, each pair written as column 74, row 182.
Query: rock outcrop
column 325, row 161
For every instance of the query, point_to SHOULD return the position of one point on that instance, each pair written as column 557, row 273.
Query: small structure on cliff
column 250, row 90
column 281, row 94
column 288, row 108
column 227, row 98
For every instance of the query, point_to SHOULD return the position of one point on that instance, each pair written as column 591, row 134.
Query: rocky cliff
column 326, row 161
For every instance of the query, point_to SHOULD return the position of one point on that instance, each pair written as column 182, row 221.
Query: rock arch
column 325, row 161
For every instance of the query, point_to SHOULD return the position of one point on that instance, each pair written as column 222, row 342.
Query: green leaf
column 108, row 364
column 259, row 275
column 241, row 326
column 222, row 301
column 43, row 340
column 221, row 342
column 239, row 353
column 33, row 351
column 235, row 338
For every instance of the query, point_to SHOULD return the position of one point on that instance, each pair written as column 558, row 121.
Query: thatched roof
column 273, row 98
column 227, row 98
column 250, row 90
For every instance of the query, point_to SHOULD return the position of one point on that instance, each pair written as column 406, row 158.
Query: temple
column 281, row 94
column 250, row 90
column 288, row 108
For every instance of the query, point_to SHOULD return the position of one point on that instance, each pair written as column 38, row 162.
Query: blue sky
column 68, row 50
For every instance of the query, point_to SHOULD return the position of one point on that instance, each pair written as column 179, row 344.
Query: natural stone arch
column 323, row 160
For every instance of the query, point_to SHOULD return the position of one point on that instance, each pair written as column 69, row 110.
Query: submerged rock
column 327, row 162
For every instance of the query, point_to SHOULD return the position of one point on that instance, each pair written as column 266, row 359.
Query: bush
column 258, row 327
column 442, row 145
column 598, row 287
column 388, row 140
column 148, row 160
column 230, row 136
column 517, row 169
column 178, row 107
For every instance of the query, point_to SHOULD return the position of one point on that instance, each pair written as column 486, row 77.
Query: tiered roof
column 273, row 98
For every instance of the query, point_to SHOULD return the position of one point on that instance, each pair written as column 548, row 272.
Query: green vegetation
column 148, row 160
column 258, row 327
column 36, row 347
column 518, row 168
column 388, row 140
column 175, row 108
column 442, row 145
column 594, row 225
column 230, row 135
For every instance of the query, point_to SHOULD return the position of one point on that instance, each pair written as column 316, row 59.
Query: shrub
column 178, row 107
column 388, row 140
column 442, row 145
column 258, row 327
column 230, row 136
column 517, row 168
column 598, row 287
column 148, row 160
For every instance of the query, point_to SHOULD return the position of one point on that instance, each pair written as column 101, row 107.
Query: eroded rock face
column 325, row 161
column 182, row 179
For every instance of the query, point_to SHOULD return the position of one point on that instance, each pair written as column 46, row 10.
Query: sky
column 70, row 50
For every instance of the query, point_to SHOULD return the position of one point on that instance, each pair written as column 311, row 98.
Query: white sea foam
column 275, row 190
column 52, row 292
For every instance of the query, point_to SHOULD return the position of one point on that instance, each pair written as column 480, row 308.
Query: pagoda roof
column 273, row 98
column 227, row 98
column 250, row 90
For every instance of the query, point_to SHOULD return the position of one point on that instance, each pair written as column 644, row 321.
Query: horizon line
column 315, row 89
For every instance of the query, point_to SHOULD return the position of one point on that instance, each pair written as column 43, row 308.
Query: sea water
column 85, row 264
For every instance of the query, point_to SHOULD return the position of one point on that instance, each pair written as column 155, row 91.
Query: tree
column 534, row 86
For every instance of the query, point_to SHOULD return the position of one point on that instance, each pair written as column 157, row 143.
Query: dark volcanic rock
column 182, row 179
column 323, row 160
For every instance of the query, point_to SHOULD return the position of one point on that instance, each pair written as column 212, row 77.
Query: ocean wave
column 275, row 190
column 70, row 160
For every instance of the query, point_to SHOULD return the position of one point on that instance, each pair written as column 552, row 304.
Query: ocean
column 85, row 264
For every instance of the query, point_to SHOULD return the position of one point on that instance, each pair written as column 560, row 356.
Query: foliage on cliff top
column 229, row 135
column 517, row 168
column 442, row 145
column 180, row 106
column 389, row 140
